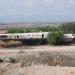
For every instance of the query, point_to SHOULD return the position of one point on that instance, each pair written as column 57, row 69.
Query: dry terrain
column 38, row 60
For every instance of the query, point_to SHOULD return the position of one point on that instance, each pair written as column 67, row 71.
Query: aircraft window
column 4, row 36
column 17, row 36
column 42, row 35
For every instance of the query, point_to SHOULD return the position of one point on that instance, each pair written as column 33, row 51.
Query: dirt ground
column 48, row 58
column 62, row 49
column 43, row 70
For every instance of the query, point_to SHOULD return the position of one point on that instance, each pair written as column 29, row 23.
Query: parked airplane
column 35, row 35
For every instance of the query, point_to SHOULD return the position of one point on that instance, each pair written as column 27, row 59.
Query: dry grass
column 10, row 44
column 38, row 63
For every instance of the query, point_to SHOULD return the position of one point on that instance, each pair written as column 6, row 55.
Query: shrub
column 28, row 30
column 12, row 60
column 68, row 27
column 35, row 30
column 54, row 37
column 15, row 30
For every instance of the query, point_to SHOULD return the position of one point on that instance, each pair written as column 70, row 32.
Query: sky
column 37, row 10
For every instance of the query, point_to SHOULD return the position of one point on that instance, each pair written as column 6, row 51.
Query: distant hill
column 28, row 25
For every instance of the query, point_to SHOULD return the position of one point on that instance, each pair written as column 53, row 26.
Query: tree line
column 67, row 27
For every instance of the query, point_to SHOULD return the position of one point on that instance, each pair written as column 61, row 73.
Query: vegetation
column 36, row 29
column 8, row 44
column 68, row 27
column 15, row 30
column 12, row 60
column 54, row 37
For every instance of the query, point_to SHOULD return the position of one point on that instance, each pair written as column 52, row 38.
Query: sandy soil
column 15, row 69
column 64, row 49
column 42, row 70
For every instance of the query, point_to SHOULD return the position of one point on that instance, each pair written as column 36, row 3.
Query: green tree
column 54, row 37
column 68, row 27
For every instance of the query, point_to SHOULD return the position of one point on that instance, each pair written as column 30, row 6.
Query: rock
column 10, row 59
column 1, row 60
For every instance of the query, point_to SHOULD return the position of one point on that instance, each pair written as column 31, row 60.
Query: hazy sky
column 37, row 10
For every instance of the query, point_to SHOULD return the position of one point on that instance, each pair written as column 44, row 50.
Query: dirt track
column 61, row 49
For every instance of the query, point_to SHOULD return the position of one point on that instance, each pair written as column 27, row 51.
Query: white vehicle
column 35, row 35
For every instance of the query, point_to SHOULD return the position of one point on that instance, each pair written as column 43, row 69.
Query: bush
column 10, row 59
column 54, row 37
column 15, row 30
column 68, row 27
